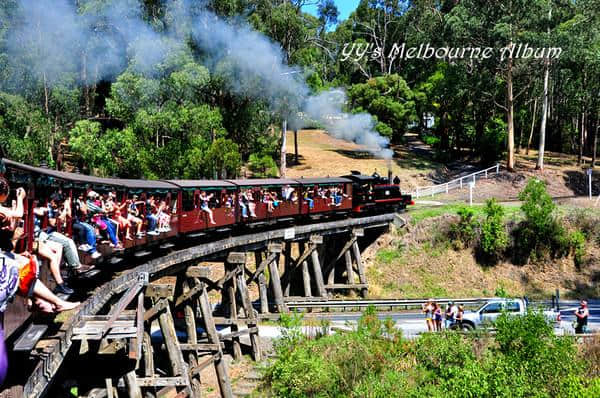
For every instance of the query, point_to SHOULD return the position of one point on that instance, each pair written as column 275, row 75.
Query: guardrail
column 378, row 303
column 457, row 183
column 406, row 303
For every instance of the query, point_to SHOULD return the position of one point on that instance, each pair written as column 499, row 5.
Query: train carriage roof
column 323, row 180
column 146, row 184
column 91, row 180
column 202, row 184
column 61, row 175
column 253, row 182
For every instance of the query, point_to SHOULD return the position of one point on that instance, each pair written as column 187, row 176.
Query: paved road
column 413, row 323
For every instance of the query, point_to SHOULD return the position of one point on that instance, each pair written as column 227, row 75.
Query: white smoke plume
column 62, row 43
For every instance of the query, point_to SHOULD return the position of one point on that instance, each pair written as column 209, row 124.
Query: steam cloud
column 61, row 44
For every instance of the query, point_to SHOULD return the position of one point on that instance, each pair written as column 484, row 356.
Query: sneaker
column 96, row 255
column 85, row 247
column 63, row 289
column 153, row 232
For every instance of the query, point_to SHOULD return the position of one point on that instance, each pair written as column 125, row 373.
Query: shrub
column 440, row 352
column 464, row 232
column 577, row 243
column 262, row 166
column 541, row 234
column 537, row 207
column 493, row 233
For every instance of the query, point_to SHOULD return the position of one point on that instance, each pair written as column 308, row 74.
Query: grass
column 388, row 256
column 419, row 213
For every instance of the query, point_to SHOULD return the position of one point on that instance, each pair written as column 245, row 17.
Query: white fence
column 457, row 183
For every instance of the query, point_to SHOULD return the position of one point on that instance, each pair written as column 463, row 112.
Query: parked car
column 485, row 315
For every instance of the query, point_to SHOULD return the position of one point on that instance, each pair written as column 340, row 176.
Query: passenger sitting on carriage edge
column 51, row 251
column 96, row 214
column 84, row 231
column 133, row 215
column 151, row 217
column 204, row 205
column 55, row 217
column 20, row 271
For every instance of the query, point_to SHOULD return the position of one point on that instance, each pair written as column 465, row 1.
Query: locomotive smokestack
column 389, row 164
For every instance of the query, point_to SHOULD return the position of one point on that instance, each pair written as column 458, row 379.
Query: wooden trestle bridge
column 114, row 324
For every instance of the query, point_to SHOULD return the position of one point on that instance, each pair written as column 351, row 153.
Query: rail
column 457, row 183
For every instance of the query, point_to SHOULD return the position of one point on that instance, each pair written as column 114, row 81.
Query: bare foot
column 66, row 306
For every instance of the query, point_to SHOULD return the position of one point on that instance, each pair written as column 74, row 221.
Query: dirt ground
column 323, row 155
column 423, row 268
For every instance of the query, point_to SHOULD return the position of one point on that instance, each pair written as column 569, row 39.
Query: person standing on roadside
column 451, row 311
column 459, row 316
column 428, row 310
column 437, row 317
column 582, row 313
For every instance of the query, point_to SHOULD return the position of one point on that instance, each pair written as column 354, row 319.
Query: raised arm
column 18, row 211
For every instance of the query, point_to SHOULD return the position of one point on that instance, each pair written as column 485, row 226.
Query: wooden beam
column 362, row 276
column 188, row 294
column 121, row 305
column 213, row 337
column 318, row 274
column 201, row 347
column 261, row 267
column 197, row 271
column 349, row 270
column 161, row 381
column 156, row 310
column 276, row 286
column 148, row 355
column 133, row 388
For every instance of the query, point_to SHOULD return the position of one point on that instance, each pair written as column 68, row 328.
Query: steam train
column 357, row 195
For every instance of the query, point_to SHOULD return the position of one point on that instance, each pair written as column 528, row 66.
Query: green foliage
column 577, row 243
column 389, row 99
column 494, row 238
column 524, row 359
column 493, row 140
column 464, row 232
column 223, row 158
column 25, row 132
column 542, row 234
column 263, row 166
column 501, row 292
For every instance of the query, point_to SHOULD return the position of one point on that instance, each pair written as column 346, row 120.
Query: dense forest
column 159, row 89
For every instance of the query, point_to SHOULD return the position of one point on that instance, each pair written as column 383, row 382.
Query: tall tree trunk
column 596, row 126
column 510, row 164
column 532, row 125
column 540, row 162
column 581, row 139
column 283, row 168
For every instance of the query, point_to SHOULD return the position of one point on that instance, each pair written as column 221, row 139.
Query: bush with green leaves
column 464, row 232
column 494, row 238
column 542, row 235
column 262, row 166
column 523, row 359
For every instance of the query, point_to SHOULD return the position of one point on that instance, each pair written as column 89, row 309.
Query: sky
column 345, row 7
